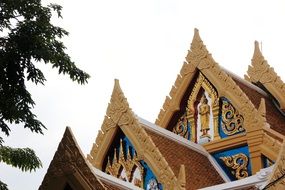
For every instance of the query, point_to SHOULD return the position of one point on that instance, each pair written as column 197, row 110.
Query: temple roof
column 201, row 169
column 176, row 162
column 274, row 117
column 70, row 167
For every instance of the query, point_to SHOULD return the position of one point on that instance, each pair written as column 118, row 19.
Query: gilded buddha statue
column 204, row 111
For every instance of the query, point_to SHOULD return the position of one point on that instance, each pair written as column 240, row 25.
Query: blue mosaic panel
column 235, row 162
column 230, row 121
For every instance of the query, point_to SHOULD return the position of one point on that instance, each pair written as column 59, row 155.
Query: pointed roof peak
column 117, row 88
column 118, row 103
column 61, row 165
column 196, row 34
column 196, row 41
column 257, row 53
column 258, row 65
column 198, row 51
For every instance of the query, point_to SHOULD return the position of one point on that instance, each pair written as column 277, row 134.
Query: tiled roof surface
column 273, row 115
column 199, row 171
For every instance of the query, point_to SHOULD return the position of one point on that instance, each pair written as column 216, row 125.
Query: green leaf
column 22, row 158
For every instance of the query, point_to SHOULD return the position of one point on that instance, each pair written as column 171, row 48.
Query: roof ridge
column 260, row 71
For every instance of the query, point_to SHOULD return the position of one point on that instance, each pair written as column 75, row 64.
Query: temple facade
column 215, row 131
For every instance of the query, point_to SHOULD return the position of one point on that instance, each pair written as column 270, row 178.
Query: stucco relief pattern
column 260, row 71
column 67, row 160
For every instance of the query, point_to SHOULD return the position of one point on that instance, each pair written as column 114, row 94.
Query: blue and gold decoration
column 230, row 120
column 183, row 127
column 235, row 162
column 123, row 162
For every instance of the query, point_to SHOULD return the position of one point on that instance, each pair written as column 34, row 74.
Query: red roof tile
column 199, row 171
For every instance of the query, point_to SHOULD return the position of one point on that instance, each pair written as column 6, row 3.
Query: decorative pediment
column 69, row 168
column 120, row 117
column 261, row 72
column 199, row 60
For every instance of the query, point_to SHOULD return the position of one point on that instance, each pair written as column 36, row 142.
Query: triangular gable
column 69, row 168
column 119, row 115
column 200, row 60
column 261, row 72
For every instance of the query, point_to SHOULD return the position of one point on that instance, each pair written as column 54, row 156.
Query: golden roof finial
column 258, row 65
column 115, row 160
column 198, row 52
column 108, row 162
column 257, row 53
column 118, row 104
column 182, row 177
column 128, row 154
column 262, row 108
column 121, row 149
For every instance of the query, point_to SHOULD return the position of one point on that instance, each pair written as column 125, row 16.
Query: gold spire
column 182, row 177
column 118, row 104
column 128, row 154
column 262, row 108
column 115, row 160
column 121, row 150
column 257, row 53
column 108, row 162
column 198, row 54
column 260, row 71
column 258, row 65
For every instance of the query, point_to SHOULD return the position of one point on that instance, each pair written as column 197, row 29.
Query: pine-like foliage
column 27, row 37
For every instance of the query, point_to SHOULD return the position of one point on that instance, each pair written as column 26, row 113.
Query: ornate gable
column 262, row 74
column 120, row 117
column 235, row 111
column 69, row 168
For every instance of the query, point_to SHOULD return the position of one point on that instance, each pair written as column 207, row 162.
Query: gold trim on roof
column 198, row 58
column 276, row 180
column 260, row 71
column 119, row 114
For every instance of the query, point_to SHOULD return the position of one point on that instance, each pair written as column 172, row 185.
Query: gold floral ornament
column 126, row 168
column 237, row 164
column 182, row 127
column 232, row 121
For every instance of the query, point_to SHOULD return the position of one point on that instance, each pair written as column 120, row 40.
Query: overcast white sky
column 143, row 44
